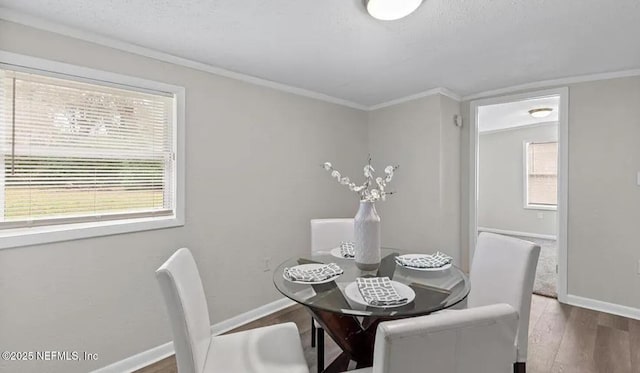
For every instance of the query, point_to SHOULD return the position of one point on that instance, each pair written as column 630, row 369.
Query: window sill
column 19, row 237
column 541, row 207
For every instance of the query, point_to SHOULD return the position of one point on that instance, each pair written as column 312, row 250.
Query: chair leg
column 320, row 351
column 313, row 333
column 519, row 367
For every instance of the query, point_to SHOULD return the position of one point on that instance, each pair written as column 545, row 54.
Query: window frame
column 525, row 163
column 27, row 236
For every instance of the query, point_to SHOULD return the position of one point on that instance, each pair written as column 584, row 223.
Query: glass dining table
column 352, row 323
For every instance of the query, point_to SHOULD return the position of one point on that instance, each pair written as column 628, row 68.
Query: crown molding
column 441, row 91
column 449, row 93
column 42, row 24
column 57, row 28
column 554, row 82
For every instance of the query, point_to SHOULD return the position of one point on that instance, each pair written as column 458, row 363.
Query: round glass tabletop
column 434, row 290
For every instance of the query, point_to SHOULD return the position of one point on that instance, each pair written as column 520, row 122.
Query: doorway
column 519, row 177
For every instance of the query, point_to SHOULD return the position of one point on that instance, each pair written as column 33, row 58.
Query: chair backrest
column 503, row 271
column 187, row 307
column 470, row 340
column 328, row 233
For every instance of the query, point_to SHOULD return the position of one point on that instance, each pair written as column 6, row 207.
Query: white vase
column 367, row 237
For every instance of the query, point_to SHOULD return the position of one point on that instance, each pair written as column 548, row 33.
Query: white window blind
column 542, row 173
column 76, row 152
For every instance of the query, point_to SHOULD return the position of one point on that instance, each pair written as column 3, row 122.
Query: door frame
column 563, row 168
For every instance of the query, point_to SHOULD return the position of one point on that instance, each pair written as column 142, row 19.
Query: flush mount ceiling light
column 389, row 10
column 540, row 112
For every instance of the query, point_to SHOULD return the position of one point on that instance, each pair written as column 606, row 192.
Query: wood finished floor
column 562, row 339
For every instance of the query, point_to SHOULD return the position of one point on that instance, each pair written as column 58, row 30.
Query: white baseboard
column 517, row 233
column 158, row 353
column 249, row 316
column 598, row 305
column 139, row 361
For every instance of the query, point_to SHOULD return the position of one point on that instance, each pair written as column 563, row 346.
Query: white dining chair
column 326, row 234
column 275, row 348
column 474, row 340
column 503, row 271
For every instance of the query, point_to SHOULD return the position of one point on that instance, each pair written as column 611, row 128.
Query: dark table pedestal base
column 354, row 338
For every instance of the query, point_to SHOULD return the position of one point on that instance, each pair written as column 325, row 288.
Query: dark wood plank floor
column 562, row 339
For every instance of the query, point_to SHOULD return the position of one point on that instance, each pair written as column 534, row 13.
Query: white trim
column 140, row 360
column 65, row 232
column 431, row 92
column 598, row 305
column 533, row 206
column 19, row 237
column 42, row 24
column 517, row 233
column 563, row 194
column 252, row 315
column 474, row 140
column 449, row 93
column 85, row 74
column 3, row 183
column 524, row 126
column 563, row 172
column 554, row 82
column 163, row 351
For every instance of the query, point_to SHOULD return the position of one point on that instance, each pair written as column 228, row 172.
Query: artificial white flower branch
column 368, row 191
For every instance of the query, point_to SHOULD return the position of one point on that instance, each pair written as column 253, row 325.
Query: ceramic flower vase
column 367, row 237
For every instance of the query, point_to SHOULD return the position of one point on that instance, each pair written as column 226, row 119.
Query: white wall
column 253, row 182
column 501, row 181
column 604, row 200
column 420, row 136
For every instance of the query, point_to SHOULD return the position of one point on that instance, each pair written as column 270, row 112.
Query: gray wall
column 501, row 181
column 253, row 157
column 420, row 136
column 604, row 200
column 253, row 182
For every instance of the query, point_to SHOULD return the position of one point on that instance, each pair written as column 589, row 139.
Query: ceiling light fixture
column 389, row 10
column 542, row 112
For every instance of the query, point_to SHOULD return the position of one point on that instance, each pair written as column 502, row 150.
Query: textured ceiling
column 516, row 114
column 334, row 47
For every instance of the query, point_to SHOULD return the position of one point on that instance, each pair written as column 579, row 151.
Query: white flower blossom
column 368, row 171
column 368, row 191
column 381, row 184
column 375, row 194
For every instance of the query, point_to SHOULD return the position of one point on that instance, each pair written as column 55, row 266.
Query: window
column 541, row 187
column 76, row 151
